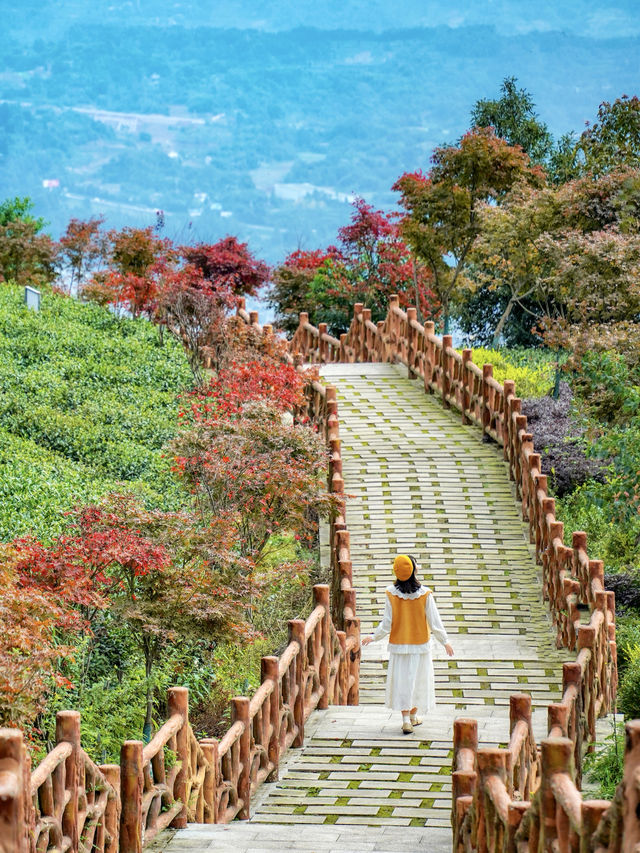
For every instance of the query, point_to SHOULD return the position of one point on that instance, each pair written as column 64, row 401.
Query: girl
column 410, row 617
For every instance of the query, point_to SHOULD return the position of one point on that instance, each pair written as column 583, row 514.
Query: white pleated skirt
column 410, row 682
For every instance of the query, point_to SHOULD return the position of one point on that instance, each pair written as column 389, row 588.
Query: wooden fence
column 68, row 804
column 524, row 797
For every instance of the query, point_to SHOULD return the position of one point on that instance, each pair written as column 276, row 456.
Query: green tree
column 565, row 254
column 290, row 291
column 564, row 160
column 442, row 221
column 19, row 209
column 26, row 255
column 614, row 139
column 507, row 259
column 514, row 119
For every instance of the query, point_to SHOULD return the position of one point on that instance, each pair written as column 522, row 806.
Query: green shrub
column 629, row 688
column 616, row 542
column 604, row 766
column 532, row 370
column 627, row 640
column 88, row 401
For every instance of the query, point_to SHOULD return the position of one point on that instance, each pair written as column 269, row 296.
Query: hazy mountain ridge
column 271, row 131
column 574, row 16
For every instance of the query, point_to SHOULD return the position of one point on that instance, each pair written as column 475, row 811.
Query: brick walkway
column 419, row 483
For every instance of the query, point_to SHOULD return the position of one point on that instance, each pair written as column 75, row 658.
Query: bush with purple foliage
column 561, row 442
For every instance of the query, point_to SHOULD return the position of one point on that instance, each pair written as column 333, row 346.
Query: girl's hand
column 366, row 640
column 449, row 649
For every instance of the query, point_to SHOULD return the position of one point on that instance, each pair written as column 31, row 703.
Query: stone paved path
column 423, row 484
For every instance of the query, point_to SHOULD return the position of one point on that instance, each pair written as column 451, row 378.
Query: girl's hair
column 412, row 584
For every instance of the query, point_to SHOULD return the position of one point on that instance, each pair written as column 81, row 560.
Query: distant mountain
column 268, row 129
column 513, row 17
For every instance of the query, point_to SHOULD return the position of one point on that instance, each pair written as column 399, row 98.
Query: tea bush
column 88, row 401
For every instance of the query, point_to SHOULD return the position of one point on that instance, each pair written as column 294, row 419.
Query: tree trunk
column 148, row 668
column 495, row 343
column 416, row 291
column 556, row 381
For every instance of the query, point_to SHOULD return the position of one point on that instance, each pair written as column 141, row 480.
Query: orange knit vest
column 409, row 626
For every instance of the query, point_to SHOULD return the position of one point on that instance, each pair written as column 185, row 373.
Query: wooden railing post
column 491, row 762
column 592, row 813
column 270, row 672
column 358, row 325
column 381, row 349
column 631, row 809
column 240, row 713
column 342, row 677
column 296, row 634
column 464, row 774
column 131, row 785
column 394, row 343
column 111, row 773
column 587, row 640
column 366, row 319
column 343, row 348
column 509, row 390
column 322, row 344
column 429, row 364
column 447, row 341
column 466, row 392
column 321, row 599
column 412, row 337
column 68, row 729
column 556, row 755
column 487, row 373
column 13, row 797
column 520, row 710
column 209, row 782
column 178, row 703
column 352, row 629
column 210, row 793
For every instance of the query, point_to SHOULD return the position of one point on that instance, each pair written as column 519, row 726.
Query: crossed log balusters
column 491, row 815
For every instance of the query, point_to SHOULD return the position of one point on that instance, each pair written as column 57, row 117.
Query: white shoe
column 407, row 728
column 415, row 720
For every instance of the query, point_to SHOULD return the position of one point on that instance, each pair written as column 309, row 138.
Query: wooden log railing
column 316, row 345
column 68, row 804
column 557, row 819
column 491, row 788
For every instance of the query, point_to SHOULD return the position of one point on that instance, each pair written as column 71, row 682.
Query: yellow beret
column 402, row 567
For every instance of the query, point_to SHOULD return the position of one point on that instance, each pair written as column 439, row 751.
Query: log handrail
column 571, row 581
column 70, row 804
column 205, row 781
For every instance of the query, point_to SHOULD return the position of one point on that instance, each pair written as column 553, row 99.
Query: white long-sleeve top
column 433, row 619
